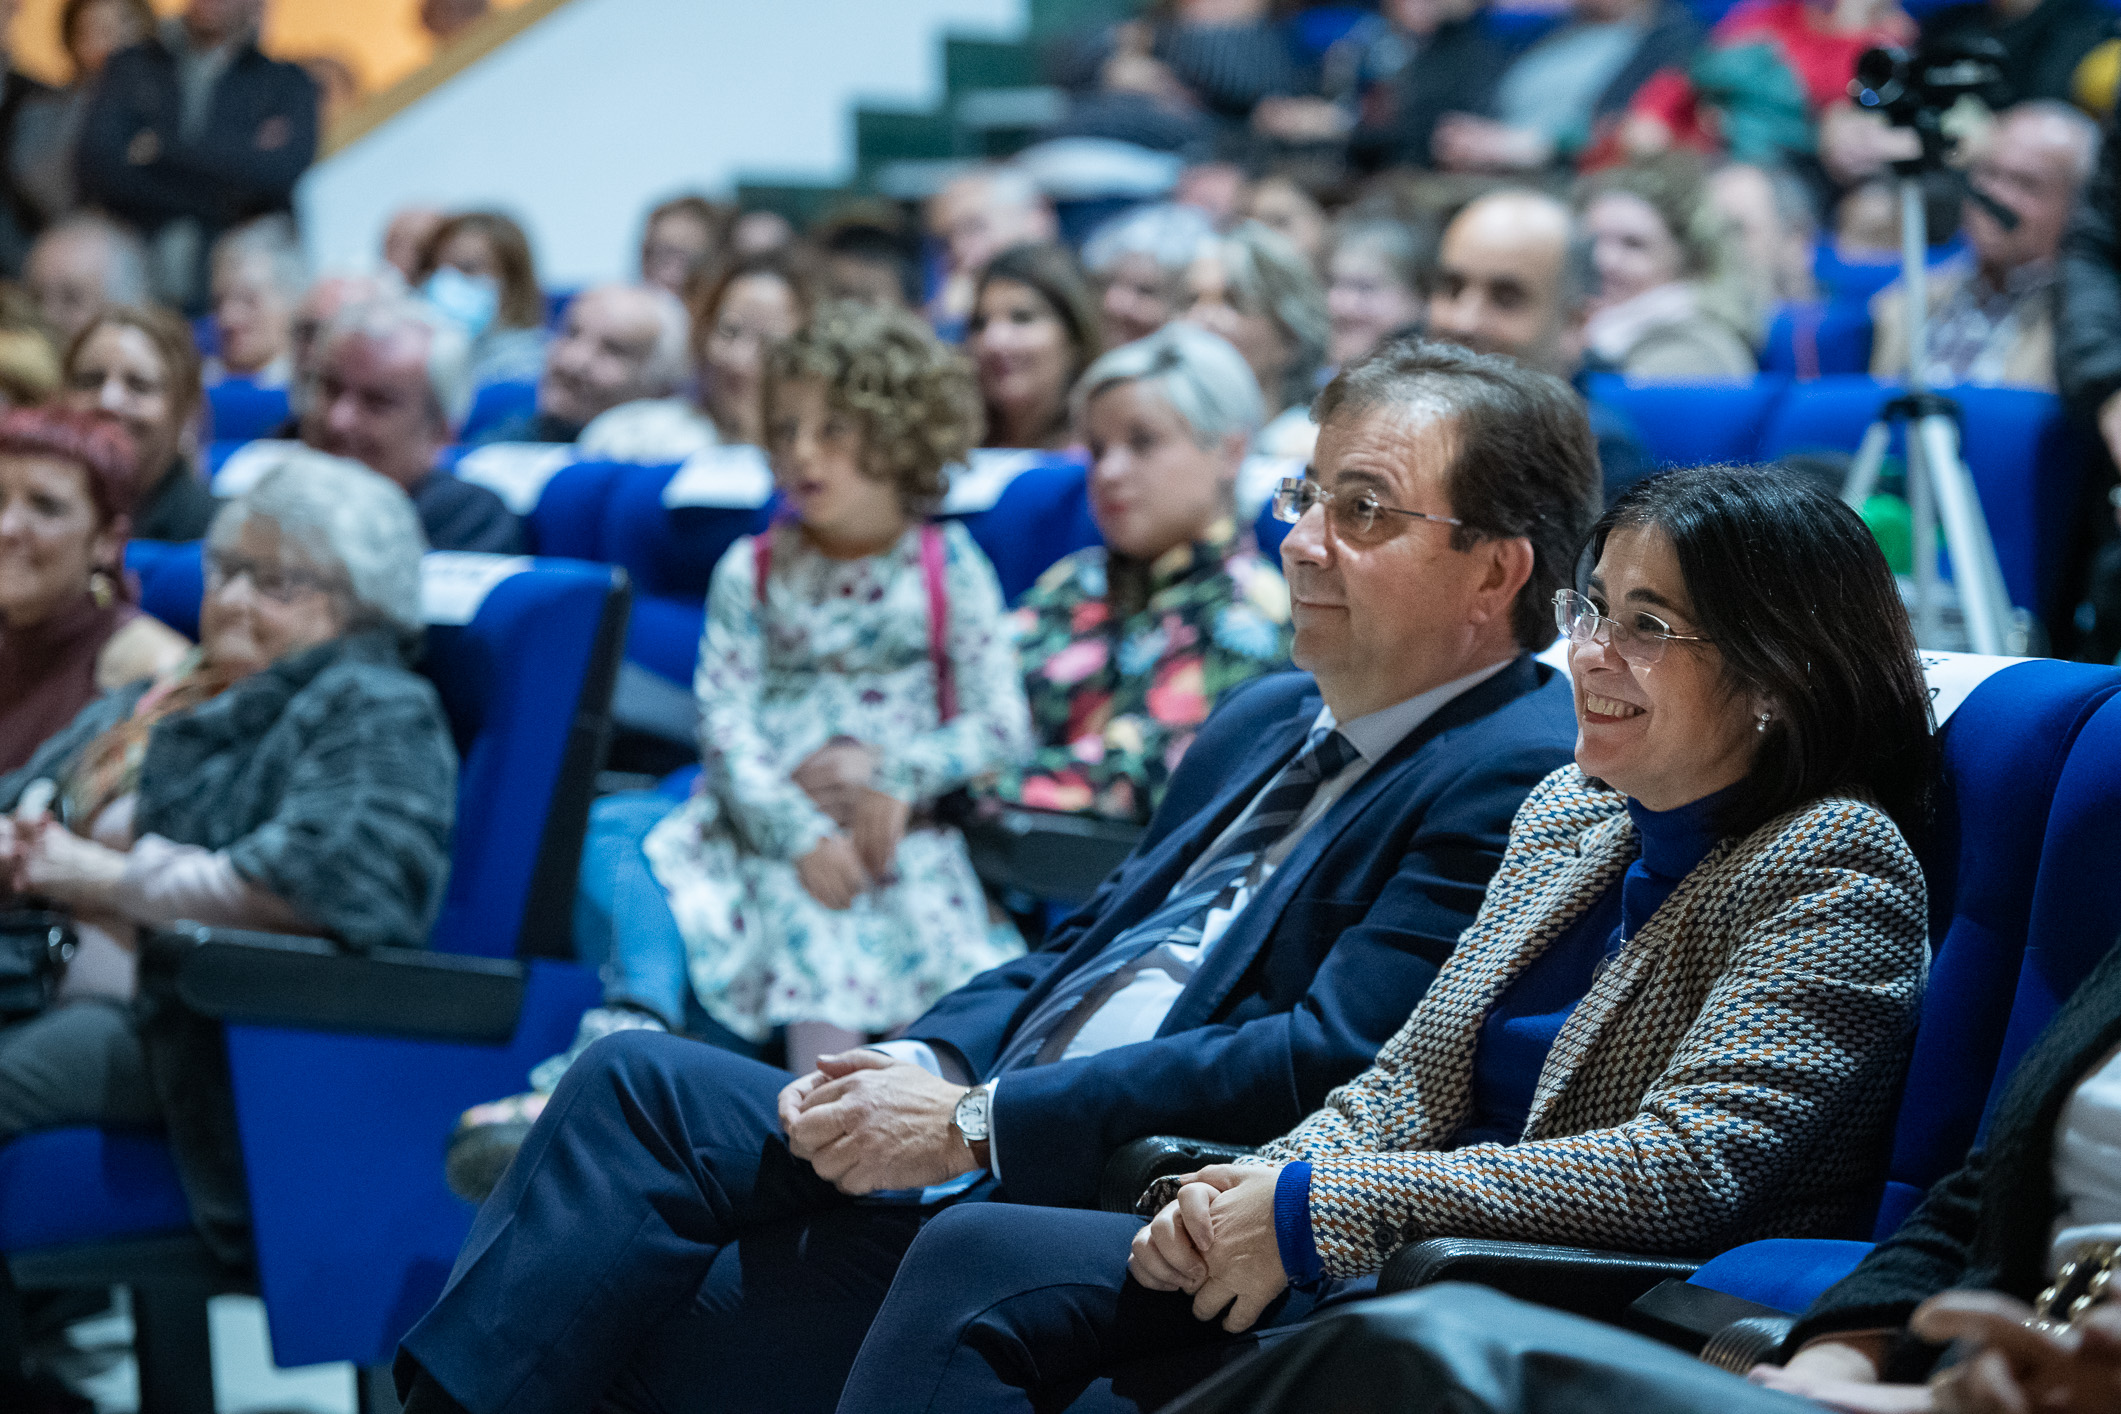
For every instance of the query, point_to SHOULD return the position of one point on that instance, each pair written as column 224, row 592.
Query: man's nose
column 1307, row 541
column 110, row 395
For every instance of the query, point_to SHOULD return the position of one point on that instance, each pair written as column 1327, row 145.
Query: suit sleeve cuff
column 1292, row 1225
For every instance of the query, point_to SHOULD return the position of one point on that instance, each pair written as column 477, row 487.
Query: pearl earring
column 1765, row 718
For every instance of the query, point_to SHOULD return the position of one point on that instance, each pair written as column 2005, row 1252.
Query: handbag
column 35, row 947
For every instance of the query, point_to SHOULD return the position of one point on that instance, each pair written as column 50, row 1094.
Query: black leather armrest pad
column 1687, row 1316
column 270, row 979
column 1140, row 1162
column 1047, row 854
column 1579, row 1279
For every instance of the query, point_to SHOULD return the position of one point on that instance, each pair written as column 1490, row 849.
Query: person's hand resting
column 2019, row 1370
column 1216, row 1242
column 1464, row 143
column 1301, row 119
column 51, row 861
column 879, row 825
column 867, row 1122
column 835, row 776
column 832, row 872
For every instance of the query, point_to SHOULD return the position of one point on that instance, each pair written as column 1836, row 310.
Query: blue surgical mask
column 470, row 301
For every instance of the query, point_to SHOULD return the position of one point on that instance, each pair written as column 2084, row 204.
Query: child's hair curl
column 916, row 399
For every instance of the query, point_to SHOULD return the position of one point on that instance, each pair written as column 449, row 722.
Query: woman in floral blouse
column 1126, row 646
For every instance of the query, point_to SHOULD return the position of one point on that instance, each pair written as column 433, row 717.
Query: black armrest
column 1140, row 1162
column 273, row 980
column 1046, row 853
column 1728, row 1331
column 1582, row 1280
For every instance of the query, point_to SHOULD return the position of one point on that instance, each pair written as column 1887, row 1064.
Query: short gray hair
column 2076, row 131
column 1171, row 235
column 345, row 517
column 671, row 363
column 1268, row 275
column 448, row 350
column 1197, row 374
column 271, row 239
column 125, row 276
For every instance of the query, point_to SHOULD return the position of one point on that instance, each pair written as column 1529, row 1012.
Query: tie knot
column 1330, row 753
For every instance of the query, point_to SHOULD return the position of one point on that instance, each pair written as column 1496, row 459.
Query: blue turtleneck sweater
column 1520, row 1030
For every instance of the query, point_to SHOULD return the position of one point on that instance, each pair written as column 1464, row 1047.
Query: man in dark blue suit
column 686, row 1228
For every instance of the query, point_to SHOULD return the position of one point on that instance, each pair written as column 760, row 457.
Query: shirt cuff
column 922, row 1054
column 1292, row 1225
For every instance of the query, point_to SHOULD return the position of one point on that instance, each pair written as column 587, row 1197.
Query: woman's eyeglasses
column 1641, row 642
column 1353, row 515
column 279, row 583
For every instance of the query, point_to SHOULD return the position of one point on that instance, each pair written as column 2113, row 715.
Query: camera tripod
column 1939, row 487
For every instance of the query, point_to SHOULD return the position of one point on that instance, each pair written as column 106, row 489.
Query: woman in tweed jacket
column 1678, row 1022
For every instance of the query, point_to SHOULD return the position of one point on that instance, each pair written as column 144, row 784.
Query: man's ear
column 1507, row 568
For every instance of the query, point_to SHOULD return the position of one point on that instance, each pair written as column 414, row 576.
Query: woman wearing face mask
column 1034, row 329
column 477, row 269
column 68, row 627
column 1127, row 645
column 140, row 366
column 1667, row 309
column 1604, row 1059
column 292, row 775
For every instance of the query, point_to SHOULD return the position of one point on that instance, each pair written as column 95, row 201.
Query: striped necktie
column 1215, row 882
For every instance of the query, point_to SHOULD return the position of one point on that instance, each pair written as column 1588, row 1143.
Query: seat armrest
column 311, row 984
column 1714, row 1325
column 1582, row 1280
column 1047, row 854
column 1140, row 1162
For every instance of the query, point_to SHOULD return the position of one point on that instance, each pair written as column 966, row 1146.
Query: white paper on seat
column 454, row 583
column 1953, row 676
column 727, row 478
column 516, row 471
column 249, row 462
column 977, row 483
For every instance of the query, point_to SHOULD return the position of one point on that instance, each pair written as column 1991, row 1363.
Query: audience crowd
column 1516, row 838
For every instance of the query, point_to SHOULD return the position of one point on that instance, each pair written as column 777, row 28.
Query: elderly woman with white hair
column 292, row 774
column 1127, row 645
column 1139, row 260
column 1258, row 291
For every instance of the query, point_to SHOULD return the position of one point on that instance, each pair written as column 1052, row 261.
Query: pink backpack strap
column 932, row 555
column 762, row 558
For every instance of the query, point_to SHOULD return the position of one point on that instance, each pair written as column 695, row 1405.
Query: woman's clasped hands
column 1216, row 1242
column 841, row 867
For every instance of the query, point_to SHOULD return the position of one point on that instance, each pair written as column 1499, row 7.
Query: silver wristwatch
column 970, row 1117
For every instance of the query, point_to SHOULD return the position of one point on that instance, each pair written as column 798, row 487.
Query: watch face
column 971, row 1115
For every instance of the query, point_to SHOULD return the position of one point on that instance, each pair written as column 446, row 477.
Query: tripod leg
column 1870, row 457
column 1922, row 513
column 1982, row 597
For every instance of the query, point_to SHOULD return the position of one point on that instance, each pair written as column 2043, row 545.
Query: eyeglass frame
column 1617, row 634
column 218, row 575
column 1283, row 503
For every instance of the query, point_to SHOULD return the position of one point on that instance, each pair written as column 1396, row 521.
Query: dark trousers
column 655, row 1247
column 999, row 1307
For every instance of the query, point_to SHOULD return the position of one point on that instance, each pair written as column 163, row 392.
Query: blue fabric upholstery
column 241, row 410
column 496, row 403
column 569, row 517
column 1807, row 340
column 671, row 553
column 1855, row 281
column 2012, row 748
column 1042, row 516
column 115, row 1183
column 172, row 581
column 1690, row 424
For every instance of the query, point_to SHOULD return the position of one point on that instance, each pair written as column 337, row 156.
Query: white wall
column 590, row 116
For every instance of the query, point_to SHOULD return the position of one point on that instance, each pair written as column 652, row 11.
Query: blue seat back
column 2076, row 909
column 1040, row 517
column 1694, row 424
column 243, row 411
column 671, row 553
column 569, row 517
column 496, row 403
column 527, row 686
column 1808, row 340
column 2002, row 754
column 59, row 1187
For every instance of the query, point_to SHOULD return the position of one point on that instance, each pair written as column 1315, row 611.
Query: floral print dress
column 837, row 649
column 1122, row 662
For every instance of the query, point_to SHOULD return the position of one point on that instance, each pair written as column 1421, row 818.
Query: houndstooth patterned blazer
column 1730, row 1074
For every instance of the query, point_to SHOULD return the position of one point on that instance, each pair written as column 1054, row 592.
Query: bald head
column 618, row 343
column 2034, row 162
column 1503, row 282
column 983, row 213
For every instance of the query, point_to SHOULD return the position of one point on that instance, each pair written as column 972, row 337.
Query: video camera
column 1916, row 90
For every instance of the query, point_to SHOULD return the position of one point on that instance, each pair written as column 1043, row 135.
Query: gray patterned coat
column 1730, row 1074
column 329, row 778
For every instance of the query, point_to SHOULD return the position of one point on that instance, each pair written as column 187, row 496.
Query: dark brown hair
column 787, row 266
column 143, row 14
column 1791, row 587
column 1527, row 464
column 1052, row 273
column 170, row 333
column 522, row 303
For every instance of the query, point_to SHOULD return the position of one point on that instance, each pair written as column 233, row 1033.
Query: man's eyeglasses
column 280, row 583
column 1353, row 515
column 1641, row 642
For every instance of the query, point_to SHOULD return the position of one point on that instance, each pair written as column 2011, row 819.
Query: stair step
column 892, row 134
column 970, row 63
column 1050, row 18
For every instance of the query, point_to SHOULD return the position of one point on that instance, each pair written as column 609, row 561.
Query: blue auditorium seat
column 2024, row 902
column 1042, row 516
column 1807, row 340
column 1693, row 424
column 242, row 411
column 568, row 519
column 671, row 552
column 2016, row 442
column 1320, row 27
column 496, row 403
column 1855, row 281
column 172, row 581
column 348, row 1071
